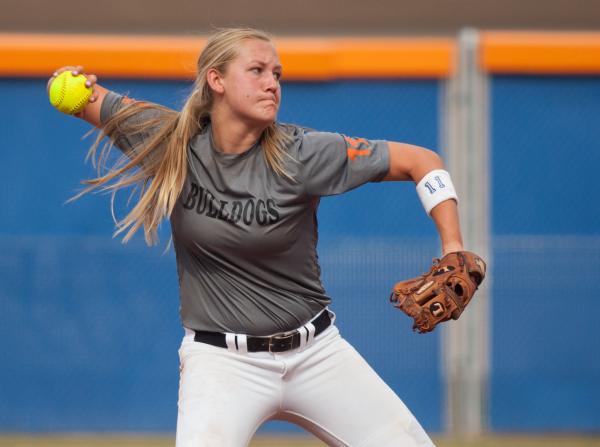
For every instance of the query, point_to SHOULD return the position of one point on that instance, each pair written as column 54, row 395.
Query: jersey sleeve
column 332, row 163
column 127, row 143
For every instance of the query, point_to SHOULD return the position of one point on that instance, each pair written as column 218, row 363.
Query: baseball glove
column 442, row 293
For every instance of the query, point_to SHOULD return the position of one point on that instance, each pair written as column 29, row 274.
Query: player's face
column 251, row 83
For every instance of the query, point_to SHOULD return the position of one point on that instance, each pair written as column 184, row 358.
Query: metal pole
column 466, row 341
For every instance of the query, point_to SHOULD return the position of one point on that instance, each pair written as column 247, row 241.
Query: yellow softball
column 68, row 93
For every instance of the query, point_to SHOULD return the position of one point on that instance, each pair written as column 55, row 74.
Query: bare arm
column 408, row 162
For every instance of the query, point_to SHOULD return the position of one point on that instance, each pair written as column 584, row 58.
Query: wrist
column 451, row 247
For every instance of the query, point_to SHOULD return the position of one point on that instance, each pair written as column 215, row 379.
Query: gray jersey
column 245, row 238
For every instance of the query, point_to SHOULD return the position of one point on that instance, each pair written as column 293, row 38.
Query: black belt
column 275, row 343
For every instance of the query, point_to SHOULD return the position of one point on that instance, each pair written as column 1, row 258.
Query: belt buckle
column 281, row 342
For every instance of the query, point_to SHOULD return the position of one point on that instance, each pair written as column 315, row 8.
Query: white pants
column 325, row 387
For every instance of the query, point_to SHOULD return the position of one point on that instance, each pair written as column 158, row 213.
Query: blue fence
column 546, row 223
column 89, row 327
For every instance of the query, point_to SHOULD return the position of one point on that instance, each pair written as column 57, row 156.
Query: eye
column 277, row 75
column 256, row 70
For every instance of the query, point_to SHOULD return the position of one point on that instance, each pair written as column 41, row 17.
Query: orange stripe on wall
column 171, row 57
column 118, row 56
column 366, row 57
column 540, row 52
column 174, row 57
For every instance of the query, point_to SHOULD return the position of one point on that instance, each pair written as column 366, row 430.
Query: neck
column 231, row 135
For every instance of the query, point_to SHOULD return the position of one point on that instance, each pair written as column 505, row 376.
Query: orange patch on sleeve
column 357, row 147
column 353, row 153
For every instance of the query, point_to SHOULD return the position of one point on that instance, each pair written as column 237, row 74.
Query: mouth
column 270, row 103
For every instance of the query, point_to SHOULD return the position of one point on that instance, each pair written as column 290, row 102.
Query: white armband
column 435, row 188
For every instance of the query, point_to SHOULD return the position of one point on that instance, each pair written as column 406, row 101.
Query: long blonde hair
column 157, row 166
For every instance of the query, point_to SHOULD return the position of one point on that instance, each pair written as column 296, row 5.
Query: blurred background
column 309, row 17
column 507, row 92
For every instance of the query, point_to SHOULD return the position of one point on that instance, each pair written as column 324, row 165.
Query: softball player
column 241, row 192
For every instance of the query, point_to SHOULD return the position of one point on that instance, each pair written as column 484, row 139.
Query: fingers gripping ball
column 442, row 293
column 69, row 93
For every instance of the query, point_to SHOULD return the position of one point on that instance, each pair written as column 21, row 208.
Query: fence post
column 465, row 353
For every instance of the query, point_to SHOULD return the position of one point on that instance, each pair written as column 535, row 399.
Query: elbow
column 427, row 161
column 409, row 162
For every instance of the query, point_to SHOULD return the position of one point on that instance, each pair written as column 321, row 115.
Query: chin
column 267, row 120
column 270, row 111
column 263, row 117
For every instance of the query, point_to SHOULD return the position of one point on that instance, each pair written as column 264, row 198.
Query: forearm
column 408, row 162
column 445, row 216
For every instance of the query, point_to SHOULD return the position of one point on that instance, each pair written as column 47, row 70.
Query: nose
column 271, row 84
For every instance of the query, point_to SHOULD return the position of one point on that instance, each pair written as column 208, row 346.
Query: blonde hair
column 161, row 158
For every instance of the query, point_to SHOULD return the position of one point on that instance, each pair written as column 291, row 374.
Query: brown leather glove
column 442, row 293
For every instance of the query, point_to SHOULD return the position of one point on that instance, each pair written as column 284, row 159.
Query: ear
column 215, row 80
